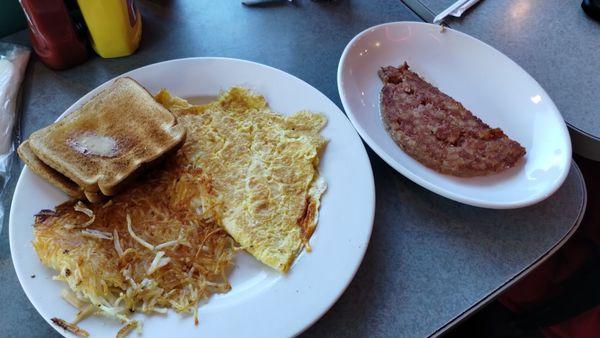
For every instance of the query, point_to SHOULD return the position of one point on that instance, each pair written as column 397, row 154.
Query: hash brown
column 147, row 249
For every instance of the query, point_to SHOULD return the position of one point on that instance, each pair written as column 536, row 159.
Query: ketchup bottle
column 53, row 34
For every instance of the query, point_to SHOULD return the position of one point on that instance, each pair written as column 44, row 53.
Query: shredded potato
column 74, row 329
column 150, row 249
column 127, row 328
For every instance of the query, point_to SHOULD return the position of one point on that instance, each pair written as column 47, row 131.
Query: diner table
column 431, row 262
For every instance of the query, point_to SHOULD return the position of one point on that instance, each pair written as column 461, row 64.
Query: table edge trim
column 484, row 301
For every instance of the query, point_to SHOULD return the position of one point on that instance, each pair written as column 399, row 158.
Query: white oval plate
column 487, row 82
column 262, row 302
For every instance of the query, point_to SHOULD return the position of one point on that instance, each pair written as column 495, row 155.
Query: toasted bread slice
column 110, row 138
column 54, row 177
column 94, row 197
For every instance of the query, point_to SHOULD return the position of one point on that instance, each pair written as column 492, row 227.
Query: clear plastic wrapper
column 13, row 62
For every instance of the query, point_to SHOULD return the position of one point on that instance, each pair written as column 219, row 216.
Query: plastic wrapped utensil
column 13, row 62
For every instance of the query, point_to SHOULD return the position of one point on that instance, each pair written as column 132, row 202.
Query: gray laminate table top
column 554, row 41
column 430, row 261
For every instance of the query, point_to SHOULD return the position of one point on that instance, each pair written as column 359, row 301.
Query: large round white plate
column 487, row 82
column 262, row 302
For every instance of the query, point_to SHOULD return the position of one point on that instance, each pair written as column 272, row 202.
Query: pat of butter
column 94, row 144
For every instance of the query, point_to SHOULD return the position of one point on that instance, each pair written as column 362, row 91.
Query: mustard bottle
column 115, row 26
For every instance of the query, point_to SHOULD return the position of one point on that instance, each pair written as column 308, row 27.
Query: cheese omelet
column 259, row 171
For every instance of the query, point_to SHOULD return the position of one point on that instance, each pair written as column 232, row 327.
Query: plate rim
column 417, row 178
column 370, row 183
